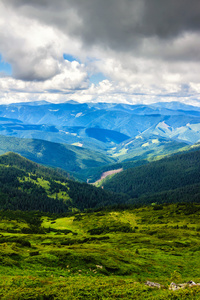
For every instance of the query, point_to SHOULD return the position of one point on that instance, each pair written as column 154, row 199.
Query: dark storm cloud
column 170, row 18
column 116, row 23
column 141, row 46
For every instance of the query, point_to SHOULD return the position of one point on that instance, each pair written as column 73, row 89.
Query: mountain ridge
column 130, row 120
column 67, row 157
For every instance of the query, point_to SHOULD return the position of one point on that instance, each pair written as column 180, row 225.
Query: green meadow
column 107, row 254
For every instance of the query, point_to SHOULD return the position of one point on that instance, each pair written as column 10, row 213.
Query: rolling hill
column 67, row 157
column 172, row 179
column 25, row 185
column 91, row 138
column 146, row 147
column 84, row 164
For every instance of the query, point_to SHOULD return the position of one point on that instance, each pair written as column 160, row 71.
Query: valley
column 106, row 174
column 99, row 150
column 83, row 138
column 62, row 238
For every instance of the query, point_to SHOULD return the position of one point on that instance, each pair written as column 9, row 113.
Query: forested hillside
column 67, row 157
column 25, row 185
column 172, row 179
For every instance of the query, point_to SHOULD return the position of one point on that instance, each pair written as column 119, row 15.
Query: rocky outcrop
column 173, row 286
column 153, row 284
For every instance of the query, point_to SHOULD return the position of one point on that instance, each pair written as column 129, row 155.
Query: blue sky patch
column 5, row 67
column 96, row 78
column 70, row 57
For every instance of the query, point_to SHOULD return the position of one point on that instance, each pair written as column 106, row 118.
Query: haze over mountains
column 74, row 122
column 111, row 133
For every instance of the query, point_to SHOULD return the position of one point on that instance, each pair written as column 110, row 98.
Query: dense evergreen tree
column 26, row 186
column 172, row 179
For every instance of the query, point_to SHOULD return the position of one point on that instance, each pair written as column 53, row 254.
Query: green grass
column 24, row 185
column 101, row 255
column 31, row 287
column 41, row 182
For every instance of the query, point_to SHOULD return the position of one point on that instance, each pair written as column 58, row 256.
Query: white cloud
column 146, row 58
column 72, row 76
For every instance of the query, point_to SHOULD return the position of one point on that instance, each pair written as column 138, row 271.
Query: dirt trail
column 105, row 174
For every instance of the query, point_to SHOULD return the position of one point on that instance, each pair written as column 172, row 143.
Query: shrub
column 34, row 253
column 23, row 242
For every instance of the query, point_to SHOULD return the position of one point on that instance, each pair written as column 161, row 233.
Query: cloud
column 115, row 24
column 72, row 76
column 147, row 49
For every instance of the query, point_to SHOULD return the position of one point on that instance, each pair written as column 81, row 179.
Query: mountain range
column 145, row 154
column 97, row 134
column 25, row 185
column 100, row 125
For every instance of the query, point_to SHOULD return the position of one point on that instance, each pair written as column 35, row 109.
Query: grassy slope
column 147, row 148
column 68, row 261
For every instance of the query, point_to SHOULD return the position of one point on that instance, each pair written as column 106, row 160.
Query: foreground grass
column 101, row 255
column 82, row 287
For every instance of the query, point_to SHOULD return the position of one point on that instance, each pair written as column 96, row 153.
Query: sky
column 130, row 51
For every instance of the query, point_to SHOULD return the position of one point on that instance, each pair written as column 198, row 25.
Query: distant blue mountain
column 105, row 127
column 106, row 135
